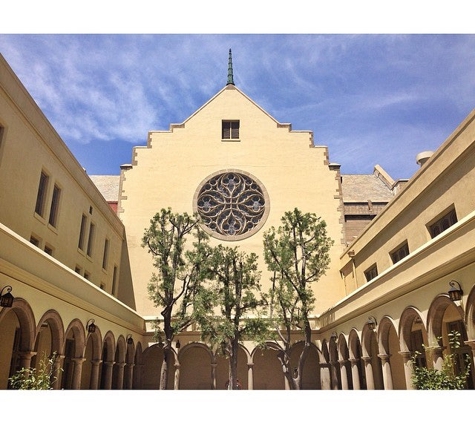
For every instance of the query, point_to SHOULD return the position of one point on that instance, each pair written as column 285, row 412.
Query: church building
column 74, row 273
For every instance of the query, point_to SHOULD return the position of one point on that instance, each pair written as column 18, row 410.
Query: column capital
column 406, row 355
column 384, row 357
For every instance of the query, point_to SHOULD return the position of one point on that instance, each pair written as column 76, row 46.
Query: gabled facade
column 284, row 164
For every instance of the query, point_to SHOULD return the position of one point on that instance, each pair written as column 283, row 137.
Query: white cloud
column 362, row 95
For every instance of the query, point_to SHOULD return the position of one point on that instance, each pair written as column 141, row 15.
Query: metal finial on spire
column 230, row 69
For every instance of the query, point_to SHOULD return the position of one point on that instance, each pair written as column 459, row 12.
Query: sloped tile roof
column 364, row 187
column 108, row 186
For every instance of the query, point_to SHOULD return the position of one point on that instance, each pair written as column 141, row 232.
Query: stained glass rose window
column 232, row 205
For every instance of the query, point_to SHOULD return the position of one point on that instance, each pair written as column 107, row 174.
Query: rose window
column 232, row 205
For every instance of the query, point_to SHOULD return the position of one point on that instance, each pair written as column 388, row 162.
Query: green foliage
column 445, row 379
column 232, row 305
column 180, row 268
column 297, row 253
column 180, row 272
column 41, row 378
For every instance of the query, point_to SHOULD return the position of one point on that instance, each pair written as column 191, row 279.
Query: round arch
column 17, row 325
column 26, row 320
column 470, row 314
column 355, row 353
column 435, row 318
column 391, row 360
column 55, row 323
column 411, row 321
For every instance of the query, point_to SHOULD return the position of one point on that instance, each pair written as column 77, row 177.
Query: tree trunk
column 233, row 361
column 164, row 370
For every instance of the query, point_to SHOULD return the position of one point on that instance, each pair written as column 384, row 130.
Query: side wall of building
column 51, row 201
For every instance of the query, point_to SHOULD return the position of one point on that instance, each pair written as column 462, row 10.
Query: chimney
column 422, row 157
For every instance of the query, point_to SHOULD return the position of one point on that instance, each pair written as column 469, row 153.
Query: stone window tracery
column 232, row 205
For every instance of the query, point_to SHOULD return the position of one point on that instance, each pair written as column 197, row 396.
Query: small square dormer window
column 230, row 130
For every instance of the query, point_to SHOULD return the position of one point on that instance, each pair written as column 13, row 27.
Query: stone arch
column 470, row 314
column 355, row 353
column 311, row 369
column 354, row 344
column 443, row 317
column 435, row 317
column 92, row 360
column 152, row 359
column 410, row 317
column 196, row 367
column 108, row 347
column 50, row 342
column 107, row 358
column 267, row 373
column 129, row 353
column 129, row 364
column 119, row 363
column 345, row 377
column 342, row 347
column 74, row 345
column 325, row 368
column 121, row 349
column 138, row 367
column 96, row 340
column 372, row 363
column 17, row 326
column 26, row 320
column 53, row 319
column 76, row 329
column 391, row 359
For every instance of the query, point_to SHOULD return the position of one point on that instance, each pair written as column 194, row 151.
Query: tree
column 297, row 254
column 231, row 309
column 179, row 277
column 448, row 378
column 41, row 378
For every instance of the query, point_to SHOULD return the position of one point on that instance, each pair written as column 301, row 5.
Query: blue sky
column 372, row 99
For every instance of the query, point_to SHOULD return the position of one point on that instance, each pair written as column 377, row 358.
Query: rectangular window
column 90, row 241
column 400, row 253
column 82, row 233
column 87, row 276
column 371, row 272
column 114, row 282
column 53, row 214
column 230, row 129
column 78, row 269
column 106, row 253
column 42, row 191
column 35, row 241
column 443, row 223
column 49, row 250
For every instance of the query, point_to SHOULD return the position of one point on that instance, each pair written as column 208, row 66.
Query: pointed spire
column 230, row 69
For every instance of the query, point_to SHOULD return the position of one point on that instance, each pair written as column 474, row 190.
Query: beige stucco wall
column 30, row 145
column 169, row 170
column 444, row 181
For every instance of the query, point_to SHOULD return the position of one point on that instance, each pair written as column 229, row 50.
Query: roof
column 108, row 186
column 364, row 188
